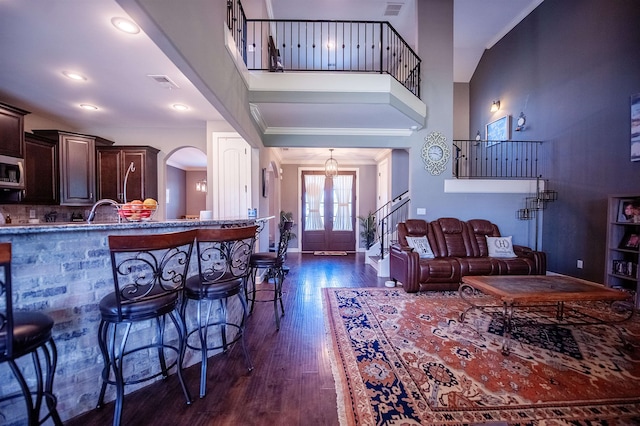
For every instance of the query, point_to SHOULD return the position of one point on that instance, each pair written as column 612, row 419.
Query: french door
column 328, row 211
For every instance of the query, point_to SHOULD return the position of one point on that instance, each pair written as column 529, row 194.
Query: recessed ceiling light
column 89, row 107
column 74, row 75
column 180, row 107
column 125, row 25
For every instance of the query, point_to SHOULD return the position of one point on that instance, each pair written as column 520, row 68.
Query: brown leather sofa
column 459, row 248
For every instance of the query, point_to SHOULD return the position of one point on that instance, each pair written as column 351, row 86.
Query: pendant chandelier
column 331, row 166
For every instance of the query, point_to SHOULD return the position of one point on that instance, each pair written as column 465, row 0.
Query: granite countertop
column 48, row 227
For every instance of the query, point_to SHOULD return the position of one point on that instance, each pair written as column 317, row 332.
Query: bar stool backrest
column 285, row 236
column 223, row 253
column 6, row 304
column 147, row 267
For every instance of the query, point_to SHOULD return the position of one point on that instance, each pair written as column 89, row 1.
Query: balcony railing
column 313, row 45
column 497, row 159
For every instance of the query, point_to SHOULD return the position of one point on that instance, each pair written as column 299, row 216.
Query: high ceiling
column 40, row 40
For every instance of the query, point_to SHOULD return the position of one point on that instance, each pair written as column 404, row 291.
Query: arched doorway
column 186, row 183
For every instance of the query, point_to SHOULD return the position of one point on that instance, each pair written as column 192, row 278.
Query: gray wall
column 195, row 200
column 399, row 172
column 289, row 197
column 461, row 112
column 570, row 66
column 368, row 176
column 435, row 19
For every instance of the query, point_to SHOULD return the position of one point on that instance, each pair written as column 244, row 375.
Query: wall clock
column 435, row 153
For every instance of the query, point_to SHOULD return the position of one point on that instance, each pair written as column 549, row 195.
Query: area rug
column 405, row 359
column 329, row 253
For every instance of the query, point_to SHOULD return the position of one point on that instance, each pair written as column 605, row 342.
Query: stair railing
column 390, row 214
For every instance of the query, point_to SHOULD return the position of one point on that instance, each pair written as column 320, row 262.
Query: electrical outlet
column 580, row 264
column 421, row 211
column 32, row 214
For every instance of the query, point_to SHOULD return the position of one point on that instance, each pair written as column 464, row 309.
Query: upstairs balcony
column 341, row 46
column 350, row 83
column 493, row 159
column 314, row 45
column 497, row 166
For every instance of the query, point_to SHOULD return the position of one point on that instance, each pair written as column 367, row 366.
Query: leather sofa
column 459, row 248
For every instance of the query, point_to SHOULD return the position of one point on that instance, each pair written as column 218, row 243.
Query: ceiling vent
column 393, row 9
column 164, row 81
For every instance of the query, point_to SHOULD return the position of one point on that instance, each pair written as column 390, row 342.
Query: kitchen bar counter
column 46, row 227
column 63, row 270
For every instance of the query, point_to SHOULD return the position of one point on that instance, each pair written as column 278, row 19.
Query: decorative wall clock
column 435, row 153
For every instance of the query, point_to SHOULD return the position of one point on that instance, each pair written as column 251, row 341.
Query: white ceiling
column 39, row 40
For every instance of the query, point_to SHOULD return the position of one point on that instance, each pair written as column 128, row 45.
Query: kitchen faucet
column 99, row 203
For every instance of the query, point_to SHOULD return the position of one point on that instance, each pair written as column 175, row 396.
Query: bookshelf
column 623, row 240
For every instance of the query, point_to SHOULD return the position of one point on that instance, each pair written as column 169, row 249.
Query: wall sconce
column 201, row 186
column 495, row 106
column 331, row 166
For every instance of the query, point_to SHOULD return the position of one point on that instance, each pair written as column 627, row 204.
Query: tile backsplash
column 21, row 213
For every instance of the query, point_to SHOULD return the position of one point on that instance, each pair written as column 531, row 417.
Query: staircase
column 390, row 215
column 373, row 258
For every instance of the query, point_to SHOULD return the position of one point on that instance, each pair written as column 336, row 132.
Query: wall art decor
column 498, row 130
column 635, row 127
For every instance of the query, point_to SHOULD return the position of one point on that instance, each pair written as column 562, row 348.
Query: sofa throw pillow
column 500, row 247
column 421, row 246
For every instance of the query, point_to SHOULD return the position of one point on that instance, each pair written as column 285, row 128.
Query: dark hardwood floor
column 292, row 382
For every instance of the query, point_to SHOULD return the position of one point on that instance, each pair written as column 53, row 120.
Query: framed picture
column 265, row 183
column 635, row 127
column 630, row 241
column 629, row 211
column 498, row 130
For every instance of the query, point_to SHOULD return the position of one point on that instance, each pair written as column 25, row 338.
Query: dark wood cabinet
column 77, row 165
column 113, row 163
column 41, row 170
column 12, row 131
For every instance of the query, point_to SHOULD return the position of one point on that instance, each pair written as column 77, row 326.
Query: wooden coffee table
column 543, row 293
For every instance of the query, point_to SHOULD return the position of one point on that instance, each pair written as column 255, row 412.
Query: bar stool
column 24, row 333
column 273, row 262
column 149, row 273
column 223, row 268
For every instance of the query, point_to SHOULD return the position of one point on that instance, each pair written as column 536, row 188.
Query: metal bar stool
column 223, row 268
column 24, row 333
column 149, row 273
column 273, row 262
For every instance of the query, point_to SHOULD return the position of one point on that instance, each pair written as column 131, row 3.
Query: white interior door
column 234, row 177
column 383, row 183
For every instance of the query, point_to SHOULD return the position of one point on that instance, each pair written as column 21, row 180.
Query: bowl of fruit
column 137, row 210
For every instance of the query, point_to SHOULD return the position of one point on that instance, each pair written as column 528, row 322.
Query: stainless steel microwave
column 11, row 172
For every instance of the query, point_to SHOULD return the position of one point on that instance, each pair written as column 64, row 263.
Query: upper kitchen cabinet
column 12, row 131
column 142, row 180
column 41, row 170
column 77, row 162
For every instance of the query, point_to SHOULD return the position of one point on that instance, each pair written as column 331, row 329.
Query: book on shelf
column 626, row 268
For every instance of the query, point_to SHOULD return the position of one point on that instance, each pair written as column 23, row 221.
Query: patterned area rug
column 405, row 359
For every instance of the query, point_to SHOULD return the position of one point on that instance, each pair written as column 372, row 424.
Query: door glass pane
column 314, row 203
column 342, row 203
